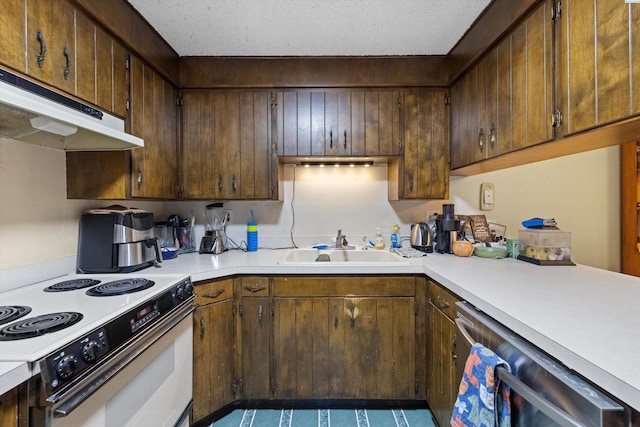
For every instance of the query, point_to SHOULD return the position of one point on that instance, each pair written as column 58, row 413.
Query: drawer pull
column 43, row 48
column 67, row 69
column 213, row 295
column 255, row 288
column 353, row 317
column 442, row 302
column 260, row 313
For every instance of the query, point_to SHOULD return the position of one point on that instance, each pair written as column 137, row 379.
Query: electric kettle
column 421, row 237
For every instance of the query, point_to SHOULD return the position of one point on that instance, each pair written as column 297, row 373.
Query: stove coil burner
column 38, row 325
column 71, row 285
column 9, row 313
column 120, row 287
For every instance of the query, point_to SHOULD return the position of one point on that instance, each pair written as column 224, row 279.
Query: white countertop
column 13, row 374
column 587, row 318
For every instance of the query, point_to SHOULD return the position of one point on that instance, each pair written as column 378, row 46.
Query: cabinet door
column 599, row 48
column 39, row 40
column 441, row 385
column 466, row 138
column 531, row 80
column 197, row 145
column 301, row 352
column 63, row 48
column 382, row 128
column 426, row 146
column 12, row 42
column 85, row 59
column 253, row 380
column 379, row 352
column 153, row 118
column 256, row 166
column 213, row 347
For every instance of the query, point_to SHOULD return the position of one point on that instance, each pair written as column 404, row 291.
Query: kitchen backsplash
column 38, row 224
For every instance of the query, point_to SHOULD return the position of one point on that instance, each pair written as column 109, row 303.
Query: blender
column 215, row 238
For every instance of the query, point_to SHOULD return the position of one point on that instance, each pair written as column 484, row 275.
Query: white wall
column 582, row 192
column 38, row 223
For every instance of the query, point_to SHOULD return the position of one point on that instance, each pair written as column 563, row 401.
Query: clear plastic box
column 546, row 247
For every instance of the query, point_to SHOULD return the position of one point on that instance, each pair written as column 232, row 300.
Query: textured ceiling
column 310, row 27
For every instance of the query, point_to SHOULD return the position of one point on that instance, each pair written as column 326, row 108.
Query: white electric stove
column 77, row 332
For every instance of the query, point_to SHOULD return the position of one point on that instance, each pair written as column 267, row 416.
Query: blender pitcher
column 215, row 238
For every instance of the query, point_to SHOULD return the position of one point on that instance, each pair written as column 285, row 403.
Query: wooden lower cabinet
column 442, row 384
column 254, row 336
column 9, row 409
column 213, row 347
column 327, row 345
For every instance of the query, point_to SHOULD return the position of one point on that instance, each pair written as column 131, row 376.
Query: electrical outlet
column 487, row 196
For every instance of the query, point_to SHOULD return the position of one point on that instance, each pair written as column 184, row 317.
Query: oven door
column 154, row 389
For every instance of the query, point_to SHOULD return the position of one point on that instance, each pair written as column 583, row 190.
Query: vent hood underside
column 34, row 114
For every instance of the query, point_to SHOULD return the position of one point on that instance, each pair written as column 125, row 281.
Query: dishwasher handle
column 526, row 392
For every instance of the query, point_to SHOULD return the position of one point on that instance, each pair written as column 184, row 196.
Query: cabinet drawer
column 210, row 291
column 443, row 299
column 325, row 286
column 254, row 286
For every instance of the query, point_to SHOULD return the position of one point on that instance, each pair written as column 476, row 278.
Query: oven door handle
column 112, row 366
column 527, row 393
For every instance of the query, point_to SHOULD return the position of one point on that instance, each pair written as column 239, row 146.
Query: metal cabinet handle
column 481, row 139
column 345, row 139
column 353, row 317
column 411, row 182
column 493, row 136
column 454, row 356
column 335, row 316
column 213, row 295
column 255, row 288
column 442, row 302
column 260, row 313
column 201, row 328
column 43, row 48
column 67, row 69
column 219, row 182
column 331, row 138
column 234, row 185
column 140, row 176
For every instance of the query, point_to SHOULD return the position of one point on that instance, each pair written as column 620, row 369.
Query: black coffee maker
column 446, row 230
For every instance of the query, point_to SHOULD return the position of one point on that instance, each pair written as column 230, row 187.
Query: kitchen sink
column 337, row 256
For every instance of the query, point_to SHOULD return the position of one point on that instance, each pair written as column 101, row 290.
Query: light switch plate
column 487, row 196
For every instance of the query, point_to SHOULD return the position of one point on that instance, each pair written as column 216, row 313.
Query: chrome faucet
column 341, row 240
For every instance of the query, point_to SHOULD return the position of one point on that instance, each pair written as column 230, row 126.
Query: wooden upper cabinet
column 599, row 49
column 227, row 148
column 39, row 40
column 340, row 123
column 505, row 102
column 153, row 118
column 424, row 164
column 12, row 42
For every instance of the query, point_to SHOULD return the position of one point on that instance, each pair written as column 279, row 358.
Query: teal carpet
column 327, row 418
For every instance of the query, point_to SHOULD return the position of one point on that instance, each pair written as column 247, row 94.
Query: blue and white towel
column 483, row 400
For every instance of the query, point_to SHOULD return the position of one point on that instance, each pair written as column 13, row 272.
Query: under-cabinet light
column 336, row 164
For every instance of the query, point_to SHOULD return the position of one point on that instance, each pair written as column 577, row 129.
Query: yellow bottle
column 378, row 241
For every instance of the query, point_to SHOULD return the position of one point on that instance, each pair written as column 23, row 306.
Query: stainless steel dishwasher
column 543, row 392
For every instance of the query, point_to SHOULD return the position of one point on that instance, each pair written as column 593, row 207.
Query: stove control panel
column 76, row 357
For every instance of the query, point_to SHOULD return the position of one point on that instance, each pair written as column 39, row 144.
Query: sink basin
column 336, row 256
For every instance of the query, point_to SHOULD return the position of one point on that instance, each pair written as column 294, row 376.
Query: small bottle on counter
column 252, row 236
column 378, row 241
column 394, row 236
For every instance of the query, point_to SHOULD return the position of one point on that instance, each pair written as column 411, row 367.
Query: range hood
column 31, row 113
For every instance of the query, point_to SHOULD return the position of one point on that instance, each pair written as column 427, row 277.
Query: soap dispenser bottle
column 378, row 241
column 394, row 236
